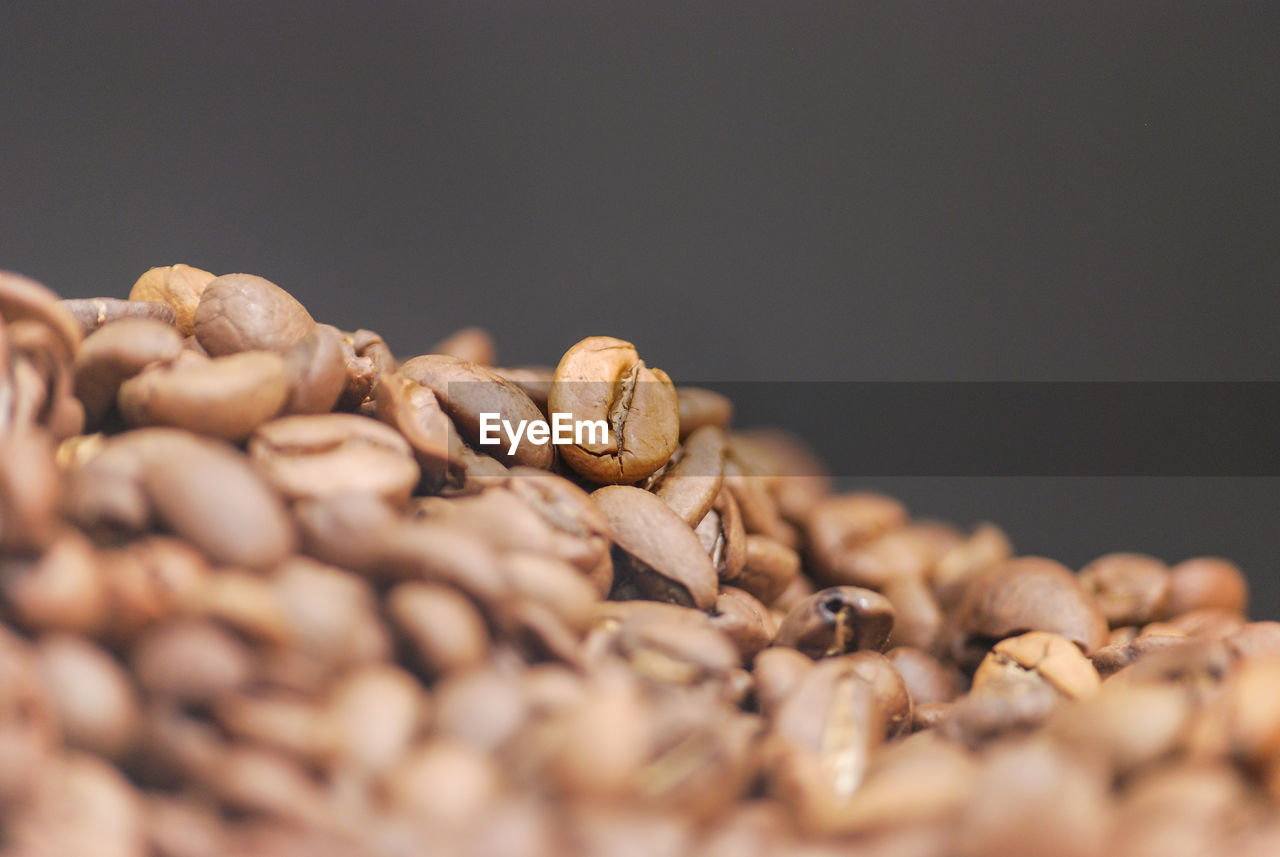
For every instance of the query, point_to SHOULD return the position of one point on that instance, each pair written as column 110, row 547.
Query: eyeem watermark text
column 562, row 429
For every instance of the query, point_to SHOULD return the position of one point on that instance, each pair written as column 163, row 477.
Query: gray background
column 748, row 191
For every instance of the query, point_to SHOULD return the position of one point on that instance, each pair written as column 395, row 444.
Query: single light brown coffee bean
column 744, row 620
column 179, row 286
column 210, row 495
column 348, row 531
column 825, row 734
column 467, row 391
column 1039, row 656
column 534, row 380
column 413, row 411
column 691, row 482
column 29, row 492
column 841, row 523
column 798, row 480
column 117, row 353
column 446, row 781
column 93, row 313
column 985, row 547
column 191, row 661
column 585, row 539
column 836, row 621
column 444, row 629
column 699, row 407
column 326, row 454
column 225, row 398
column 1207, row 582
column 472, row 344
column 1036, row 791
column 93, row 697
column 768, row 569
column 23, row 299
column 63, row 589
column 374, row 714
column 1026, row 594
column 602, row 378
column 918, row 619
column 657, row 555
column 927, row 678
column 1131, row 589
column 316, row 371
column 243, row 312
column 724, row 537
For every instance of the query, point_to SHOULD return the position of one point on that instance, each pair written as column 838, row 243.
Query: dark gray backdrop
column 773, row 191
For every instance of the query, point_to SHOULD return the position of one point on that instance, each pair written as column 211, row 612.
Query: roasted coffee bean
column 329, row 614
column 1204, row 582
column 111, row 356
column 472, row 344
column 1036, row 791
column 210, row 495
column 374, row 714
column 985, row 547
column 691, row 482
column 326, row 454
column 836, row 621
column 657, row 555
column 444, row 629
column 414, row 411
column 841, row 523
column 93, row 698
column 1002, row 708
column 700, row 407
column 1207, row 622
column 602, row 378
column 796, row 478
column 927, row 679
column 23, row 299
column 920, row 781
column 446, row 781
column 668, row 644
column 760, row 512
column 1109, row 660
column 28, row 720
column 1255, row 639
column 243, row 312
column 724, row 538
column 1039, row 656
column 825, row 734
column 346, row 530
column 570, row 511
column 746, row 621
column 191, row 661
column 467, row 391
column 63, row 589
column 1025, row 594
column 226, row 397
column 316, row 371
column 1131, row 589
column 179, row 286
column 917, row 617
column 535, row 381
column 93, row 313
column 29, row 492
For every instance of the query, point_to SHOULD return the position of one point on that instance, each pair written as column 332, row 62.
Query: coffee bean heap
column 264, row 593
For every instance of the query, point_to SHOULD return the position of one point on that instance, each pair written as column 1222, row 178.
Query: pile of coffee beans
column 264, row 593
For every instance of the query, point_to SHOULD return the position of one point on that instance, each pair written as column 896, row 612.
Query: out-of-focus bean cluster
column 265, row 593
